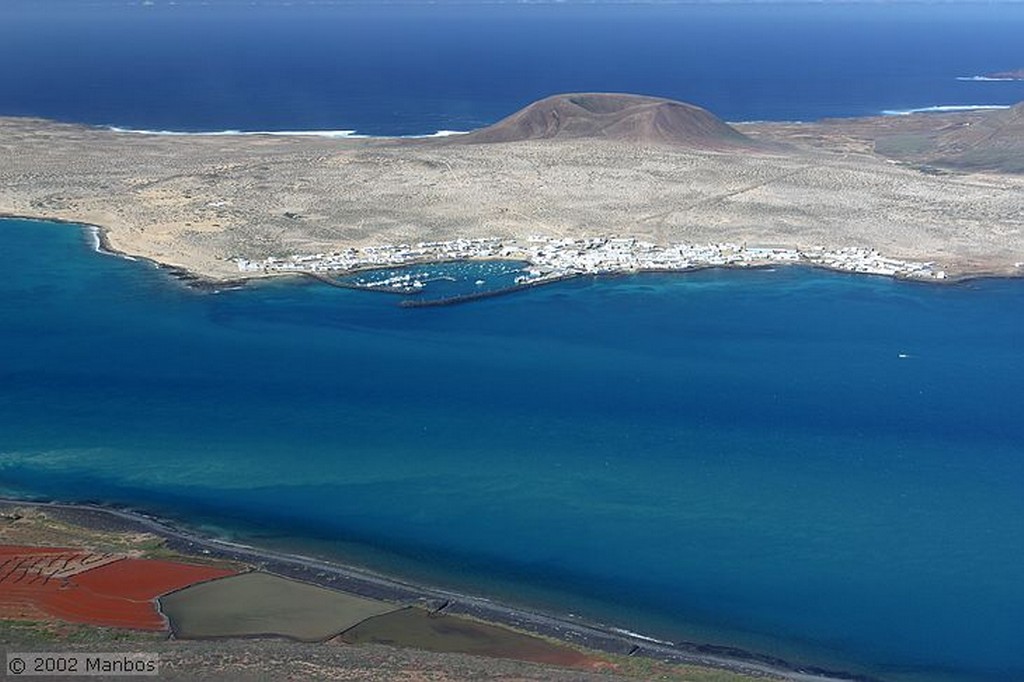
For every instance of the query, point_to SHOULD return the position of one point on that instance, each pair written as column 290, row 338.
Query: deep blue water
column 407, row 69
column 733, row 457
column 736, row 457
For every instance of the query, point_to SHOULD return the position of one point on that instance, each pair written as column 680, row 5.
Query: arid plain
column 572, row 165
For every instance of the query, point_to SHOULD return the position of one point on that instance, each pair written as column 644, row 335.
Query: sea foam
column 985, row 79
column 637, row 635
column 334, row 134
column 944, row 108
column 94, row 237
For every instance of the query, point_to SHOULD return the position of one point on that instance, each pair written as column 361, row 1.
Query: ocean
column 817, row 466
column 821, row 467
column 414, row 68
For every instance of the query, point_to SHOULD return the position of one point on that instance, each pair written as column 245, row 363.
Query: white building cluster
column 554, row 258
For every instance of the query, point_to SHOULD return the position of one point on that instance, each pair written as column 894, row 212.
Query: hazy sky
column 80, row 3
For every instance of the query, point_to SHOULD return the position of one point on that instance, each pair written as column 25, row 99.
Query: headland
column 572, row 184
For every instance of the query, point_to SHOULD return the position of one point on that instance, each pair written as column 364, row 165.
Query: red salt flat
column 146, row 578
column 79, row 605
column 59, row 583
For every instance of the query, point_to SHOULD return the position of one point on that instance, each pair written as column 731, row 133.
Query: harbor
column 545, row 259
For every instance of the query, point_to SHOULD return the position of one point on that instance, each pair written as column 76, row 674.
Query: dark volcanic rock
column 629, row 118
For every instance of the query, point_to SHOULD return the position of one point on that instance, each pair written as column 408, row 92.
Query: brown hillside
column 992, row 142
column 630, row 118
column 995, row 143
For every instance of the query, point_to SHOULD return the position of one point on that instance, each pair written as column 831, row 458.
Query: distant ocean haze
column 401, row 69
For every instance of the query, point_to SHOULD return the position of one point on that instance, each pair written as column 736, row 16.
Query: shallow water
column 819, row 466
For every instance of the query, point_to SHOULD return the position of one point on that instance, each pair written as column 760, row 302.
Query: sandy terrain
column 199, row 201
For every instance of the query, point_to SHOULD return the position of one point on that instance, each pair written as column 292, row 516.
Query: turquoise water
column 819, row 466
column 433, row 283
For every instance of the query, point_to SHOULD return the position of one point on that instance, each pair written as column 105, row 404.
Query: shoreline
column 216, row 210
column 102, row 245
column 605, row 638
column 200, row 282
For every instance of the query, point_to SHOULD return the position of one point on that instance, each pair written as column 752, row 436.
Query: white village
column 553, row 258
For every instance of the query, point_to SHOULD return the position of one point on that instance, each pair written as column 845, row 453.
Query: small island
column 584, row 183
column 1014, row 75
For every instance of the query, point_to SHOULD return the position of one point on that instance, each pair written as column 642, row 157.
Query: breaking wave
column 335, row 134
column 944, row 108
column 985, row 79
column 637, row 635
